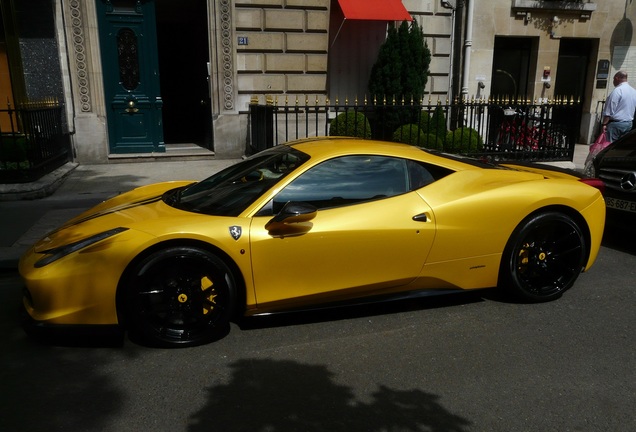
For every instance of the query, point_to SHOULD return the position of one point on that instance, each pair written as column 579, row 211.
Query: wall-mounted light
column 554, row 23
column 525, row 15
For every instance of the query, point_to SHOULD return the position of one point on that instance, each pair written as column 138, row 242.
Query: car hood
column 621, row 153
column 134, row 209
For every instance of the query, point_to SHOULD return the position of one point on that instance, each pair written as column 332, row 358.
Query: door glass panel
column 124, row 6
column 347, row 180
column 127, row 52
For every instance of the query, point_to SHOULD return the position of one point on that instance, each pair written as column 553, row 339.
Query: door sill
column 186, row 151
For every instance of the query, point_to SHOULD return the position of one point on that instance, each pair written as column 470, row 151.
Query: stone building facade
column 140, row 78
column 550, row 49
column 193, row 66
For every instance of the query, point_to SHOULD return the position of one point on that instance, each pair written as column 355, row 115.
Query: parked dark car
column 616, row 166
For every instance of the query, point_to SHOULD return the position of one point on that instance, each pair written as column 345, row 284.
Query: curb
column 40, row 188
column 9, row 264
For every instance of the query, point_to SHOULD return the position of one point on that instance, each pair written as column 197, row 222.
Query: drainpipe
column 468, row 43
column 448, row 5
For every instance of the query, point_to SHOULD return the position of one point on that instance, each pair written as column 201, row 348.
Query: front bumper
column 79, row 288
column 71, row 334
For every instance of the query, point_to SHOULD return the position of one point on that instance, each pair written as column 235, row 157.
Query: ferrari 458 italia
column 313, row 223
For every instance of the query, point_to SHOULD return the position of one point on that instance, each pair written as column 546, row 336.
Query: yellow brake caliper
column 206, row 284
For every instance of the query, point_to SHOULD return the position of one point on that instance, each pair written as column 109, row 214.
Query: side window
column 419, row 175
column 422, row 174
column 347, row 180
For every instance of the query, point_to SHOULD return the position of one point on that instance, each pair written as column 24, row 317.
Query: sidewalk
column 74, row 188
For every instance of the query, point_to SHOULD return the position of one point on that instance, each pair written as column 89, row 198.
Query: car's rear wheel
column 544, row 257
column 181, row 296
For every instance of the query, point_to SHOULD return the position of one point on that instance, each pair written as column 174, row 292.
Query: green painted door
column 128, row 43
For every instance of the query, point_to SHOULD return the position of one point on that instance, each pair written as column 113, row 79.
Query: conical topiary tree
column 400, row 73
column 402, row 67
column 384, row 82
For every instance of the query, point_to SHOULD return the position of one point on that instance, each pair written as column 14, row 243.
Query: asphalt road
column 474, row 362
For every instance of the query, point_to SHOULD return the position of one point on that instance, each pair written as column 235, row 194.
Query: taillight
column 594, row 182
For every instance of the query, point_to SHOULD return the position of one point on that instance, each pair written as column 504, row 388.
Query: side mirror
column 292, row 212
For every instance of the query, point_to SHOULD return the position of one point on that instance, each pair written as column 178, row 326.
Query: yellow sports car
column 316, row 222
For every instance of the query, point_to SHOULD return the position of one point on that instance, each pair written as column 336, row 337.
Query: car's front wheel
column 180, row 296
column 543, row 257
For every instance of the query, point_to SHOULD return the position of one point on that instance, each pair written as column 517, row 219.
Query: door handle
column 132, row 108
column 420, row 217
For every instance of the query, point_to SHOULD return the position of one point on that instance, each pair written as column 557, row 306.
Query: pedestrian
column 618, row 112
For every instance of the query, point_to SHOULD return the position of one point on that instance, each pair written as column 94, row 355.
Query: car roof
column 329, row 147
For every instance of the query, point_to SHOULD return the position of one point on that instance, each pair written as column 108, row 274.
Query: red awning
column 374, row 10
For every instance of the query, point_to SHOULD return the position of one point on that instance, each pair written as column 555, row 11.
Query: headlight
column 588, row 169
column 60, row 252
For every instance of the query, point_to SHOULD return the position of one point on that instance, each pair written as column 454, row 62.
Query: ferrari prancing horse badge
column 235, row 232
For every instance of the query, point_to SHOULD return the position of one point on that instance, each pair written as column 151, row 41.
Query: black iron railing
column 32, row 141
column 500, row 129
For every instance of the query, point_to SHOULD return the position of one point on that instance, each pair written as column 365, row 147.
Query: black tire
column 543, row 258
column 179, row 297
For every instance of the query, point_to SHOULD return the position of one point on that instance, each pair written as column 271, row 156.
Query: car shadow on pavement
column 66, row 386
column 49, row 388
column 284, row 395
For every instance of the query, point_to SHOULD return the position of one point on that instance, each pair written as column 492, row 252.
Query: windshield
column 625, row 147
column 230, row 191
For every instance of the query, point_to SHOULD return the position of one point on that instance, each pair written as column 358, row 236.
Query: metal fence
column 496, row 129
column 32, row 141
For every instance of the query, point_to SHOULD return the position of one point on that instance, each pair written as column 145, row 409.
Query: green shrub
column 432, row 142
column 409, row 134
column 438, row 122
column 350, row 123
column 463, row 140
column 425, row 121
column 13, row 148
column 434, row 124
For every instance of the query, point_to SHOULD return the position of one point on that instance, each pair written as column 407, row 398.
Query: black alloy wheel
column 544, row 257
column 179, row 297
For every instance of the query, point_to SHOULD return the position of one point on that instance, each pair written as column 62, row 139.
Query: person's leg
column 617, row 129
